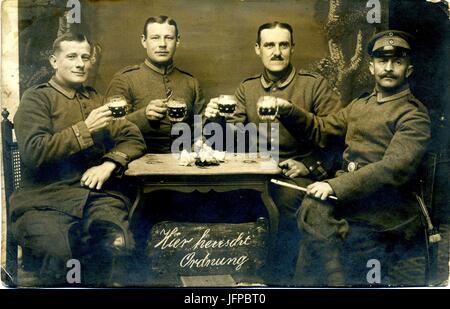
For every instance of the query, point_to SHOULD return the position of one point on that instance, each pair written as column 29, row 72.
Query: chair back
column 12, row 178
column 11, row 158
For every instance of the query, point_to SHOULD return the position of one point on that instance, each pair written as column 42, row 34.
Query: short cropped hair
column 69, row 37
column 160, row 20
column 273, row 25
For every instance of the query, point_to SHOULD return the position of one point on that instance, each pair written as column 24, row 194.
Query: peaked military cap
column 390, row 43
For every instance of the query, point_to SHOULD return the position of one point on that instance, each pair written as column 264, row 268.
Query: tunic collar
column 163, row 71
column 396, row 96
column 68, row 92
column 283, row 82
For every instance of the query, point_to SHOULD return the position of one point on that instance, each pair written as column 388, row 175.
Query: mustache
column 280, row 58
column 388, row 75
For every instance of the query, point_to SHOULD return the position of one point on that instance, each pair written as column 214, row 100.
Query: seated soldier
column 301, row 161
column 70, row 149
column 147, row 87
column 386, row 135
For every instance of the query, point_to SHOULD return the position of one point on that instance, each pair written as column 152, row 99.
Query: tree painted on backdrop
column 57, row 17
column 348, row 25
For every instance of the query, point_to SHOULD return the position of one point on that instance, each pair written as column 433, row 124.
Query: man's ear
column 371, row 68
column 409, row 71
column 257, row 49
column 143, row 41
column 178, row 40
column 52, row 60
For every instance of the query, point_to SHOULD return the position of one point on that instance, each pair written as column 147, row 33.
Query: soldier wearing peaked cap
column 386, row 135
column 390, row 42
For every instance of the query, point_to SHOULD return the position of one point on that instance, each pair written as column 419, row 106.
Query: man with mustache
column 376, row 218
column 70, row 204
column 301, row 161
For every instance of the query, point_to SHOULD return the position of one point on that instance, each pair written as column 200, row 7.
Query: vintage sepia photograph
column 236, row 143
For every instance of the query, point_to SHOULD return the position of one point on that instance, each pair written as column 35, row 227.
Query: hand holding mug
column 224, row 105
column 284, row 106
column 118, row 106
column 267, row 108
column 176, row 109
column 98, row 119
column 156, row 110
column 212, row 108
column 227, row 105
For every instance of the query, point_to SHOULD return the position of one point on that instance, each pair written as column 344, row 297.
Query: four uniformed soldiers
column 70, row 149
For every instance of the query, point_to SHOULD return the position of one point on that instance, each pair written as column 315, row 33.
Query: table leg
column 271, row 209
column 136, row 202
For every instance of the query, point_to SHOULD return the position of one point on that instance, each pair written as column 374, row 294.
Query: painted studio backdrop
column 217, row 38
column 217, row 47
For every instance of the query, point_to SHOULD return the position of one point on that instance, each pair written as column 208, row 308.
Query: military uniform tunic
column 311, row 92
column 52, row 214
column 385, row 140
column 377, row 216
column 140, row 84
column 304, row 89
column 56, row 147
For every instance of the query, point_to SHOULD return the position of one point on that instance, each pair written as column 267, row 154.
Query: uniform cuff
column 339, row 190
column 83, row 135
column 120, row 158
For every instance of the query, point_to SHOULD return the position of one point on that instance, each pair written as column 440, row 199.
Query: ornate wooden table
column 239, row 171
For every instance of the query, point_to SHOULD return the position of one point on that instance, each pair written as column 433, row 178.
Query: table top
column 235, row 164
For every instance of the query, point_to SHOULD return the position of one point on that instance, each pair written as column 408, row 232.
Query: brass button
column 351, row 167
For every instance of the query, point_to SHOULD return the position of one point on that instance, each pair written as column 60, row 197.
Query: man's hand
column 212, row 109
column 96, row 176
column 292, row 168
column 284, row 106
column 156, row 110
column 320, row 190
column 98, row 119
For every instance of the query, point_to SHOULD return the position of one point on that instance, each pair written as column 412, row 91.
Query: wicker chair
column 12, row 176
